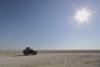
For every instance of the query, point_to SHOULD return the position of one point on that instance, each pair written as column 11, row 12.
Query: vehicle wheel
column 34, row 53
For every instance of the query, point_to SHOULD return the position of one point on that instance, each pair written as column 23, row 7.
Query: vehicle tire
column 34, row 53
column 25, row 53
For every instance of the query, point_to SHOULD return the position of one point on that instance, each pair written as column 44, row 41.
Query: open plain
column 50, row 59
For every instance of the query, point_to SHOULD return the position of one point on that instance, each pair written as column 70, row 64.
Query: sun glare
column 82, row 15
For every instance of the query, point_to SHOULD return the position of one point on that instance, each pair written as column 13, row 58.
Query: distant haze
column 48, row 24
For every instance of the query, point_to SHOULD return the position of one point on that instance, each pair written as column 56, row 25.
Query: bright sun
column 82, row 15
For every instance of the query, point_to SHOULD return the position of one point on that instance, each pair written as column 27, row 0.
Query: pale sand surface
column 52, row 60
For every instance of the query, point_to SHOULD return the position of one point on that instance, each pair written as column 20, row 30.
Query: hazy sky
column 48, row 24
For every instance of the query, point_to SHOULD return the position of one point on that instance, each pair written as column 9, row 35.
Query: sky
column 48, row 24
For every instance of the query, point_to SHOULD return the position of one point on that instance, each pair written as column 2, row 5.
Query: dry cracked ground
column 51, row 60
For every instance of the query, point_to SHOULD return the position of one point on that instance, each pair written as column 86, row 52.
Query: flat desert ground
column 51, row 59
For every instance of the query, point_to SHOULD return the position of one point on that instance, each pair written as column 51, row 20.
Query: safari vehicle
column 29, row 51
